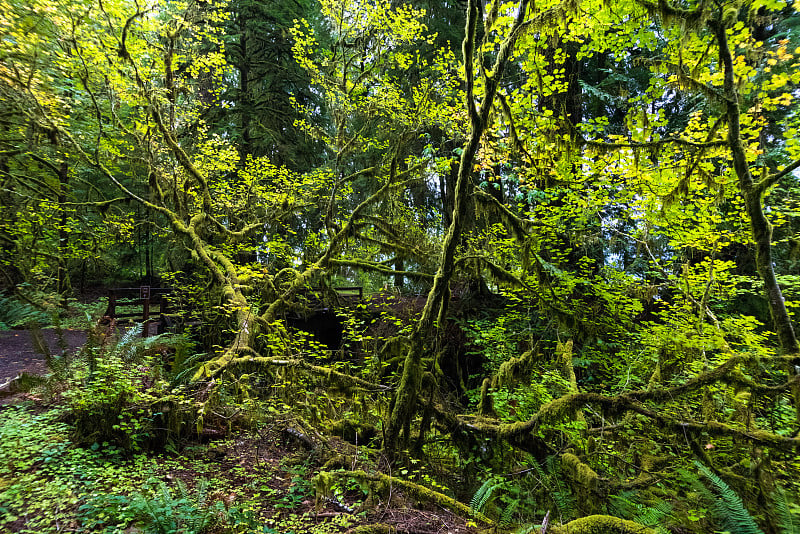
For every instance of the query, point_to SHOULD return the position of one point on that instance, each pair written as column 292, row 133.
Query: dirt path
column 17, row 354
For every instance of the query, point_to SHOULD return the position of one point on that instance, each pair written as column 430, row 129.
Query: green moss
column 486, row 406
column 579, row 471
column 376, row 528
column 512, row 370
column 601, row 524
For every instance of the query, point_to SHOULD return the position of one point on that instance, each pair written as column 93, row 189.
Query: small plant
column 497, row 498
column 159, row 509
column 126, row 393
column 300, row 488
column 726, row 505
column 628, row 505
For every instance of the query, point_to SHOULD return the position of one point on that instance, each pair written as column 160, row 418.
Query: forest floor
column 266, row 475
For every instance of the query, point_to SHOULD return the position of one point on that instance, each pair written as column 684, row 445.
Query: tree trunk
column 435, row 310
column 760, row 227
column 63, row 235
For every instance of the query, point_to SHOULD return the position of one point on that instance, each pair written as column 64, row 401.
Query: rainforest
column 372, row 266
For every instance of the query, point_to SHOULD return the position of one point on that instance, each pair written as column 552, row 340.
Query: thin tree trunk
column 759, row 225
column 435, row 310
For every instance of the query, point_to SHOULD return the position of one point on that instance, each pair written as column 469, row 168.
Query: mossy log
column 375, row 528
column 601, row 524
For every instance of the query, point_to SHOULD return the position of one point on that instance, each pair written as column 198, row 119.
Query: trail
column 17, row 353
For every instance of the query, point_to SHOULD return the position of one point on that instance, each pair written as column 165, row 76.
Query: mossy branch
column 380, row 482
column 332, row 375
column 765, row 183
column 365, row 265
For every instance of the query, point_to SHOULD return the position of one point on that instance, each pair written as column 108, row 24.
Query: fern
column 562, row 496
column 508, row 513
column 482, row 496
column 15, row 314
column 653, row 515
column 178, row 511
column 492, row 490
column 787, row 521
column 728, row 506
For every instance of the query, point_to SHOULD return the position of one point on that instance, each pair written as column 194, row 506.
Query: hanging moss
column 513, row 370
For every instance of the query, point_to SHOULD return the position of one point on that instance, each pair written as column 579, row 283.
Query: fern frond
column 126, row 346
column 653, row 516
column 482, row 496
column 508, row 513
column 788, row 522
column 728, row 506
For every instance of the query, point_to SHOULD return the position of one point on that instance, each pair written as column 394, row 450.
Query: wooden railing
column 148, row 305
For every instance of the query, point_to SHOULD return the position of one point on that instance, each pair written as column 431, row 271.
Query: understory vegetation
column 425, row 266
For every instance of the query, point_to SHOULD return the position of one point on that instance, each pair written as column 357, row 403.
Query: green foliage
column 300, row 488
column 498, row 338
column 127, row 392
column 787, row 513
column 726, row 505
column 159, row 509
column 15, row 313
column 482, row 496
column 44, row 477
column 525, row 499
column 494, row 499
column 656, row 514
column 551, row 481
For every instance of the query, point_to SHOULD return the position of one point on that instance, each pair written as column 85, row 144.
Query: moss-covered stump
column 601, row 524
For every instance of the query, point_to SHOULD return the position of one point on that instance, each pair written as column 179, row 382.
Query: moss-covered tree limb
column 365, row 265
column 328, row 373
column 380, row 482
column 561, row 408
column 771, row 179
